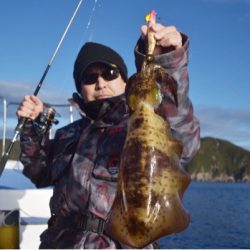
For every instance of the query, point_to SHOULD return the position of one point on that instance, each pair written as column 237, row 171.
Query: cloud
column 225, row 123
column 15, row 91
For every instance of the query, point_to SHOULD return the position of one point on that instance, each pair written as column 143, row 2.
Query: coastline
column 207, row 177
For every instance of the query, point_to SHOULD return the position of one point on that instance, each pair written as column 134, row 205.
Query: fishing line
column 88, row 28
column 66, row 78
column 89, row 23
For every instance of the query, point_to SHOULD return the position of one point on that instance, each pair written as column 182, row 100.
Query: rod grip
column 3, row 162
column 5, row 157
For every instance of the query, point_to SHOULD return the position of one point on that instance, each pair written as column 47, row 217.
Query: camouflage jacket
column 82, row 161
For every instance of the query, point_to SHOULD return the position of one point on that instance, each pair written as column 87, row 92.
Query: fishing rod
column 23, row 120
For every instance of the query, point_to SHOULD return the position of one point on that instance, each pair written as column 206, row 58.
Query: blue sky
column 219, row 65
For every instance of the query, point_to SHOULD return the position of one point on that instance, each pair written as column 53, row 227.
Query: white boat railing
column 4, row 123
column 72, row 114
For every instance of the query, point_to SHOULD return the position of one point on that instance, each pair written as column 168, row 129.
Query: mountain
column 216, row 160
column 220, row 160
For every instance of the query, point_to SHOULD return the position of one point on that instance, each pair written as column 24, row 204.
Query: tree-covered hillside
column 220, row 160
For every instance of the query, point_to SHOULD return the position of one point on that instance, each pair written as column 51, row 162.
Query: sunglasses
column 107, row 74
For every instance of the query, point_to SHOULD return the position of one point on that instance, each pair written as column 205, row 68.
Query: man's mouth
column 102, row 96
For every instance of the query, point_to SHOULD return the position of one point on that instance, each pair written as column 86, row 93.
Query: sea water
column 220, row 217
column 220, row 214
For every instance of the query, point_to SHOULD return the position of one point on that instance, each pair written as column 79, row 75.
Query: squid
column 151, row 182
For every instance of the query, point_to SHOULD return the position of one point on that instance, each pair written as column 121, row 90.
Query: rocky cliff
column 220, row 160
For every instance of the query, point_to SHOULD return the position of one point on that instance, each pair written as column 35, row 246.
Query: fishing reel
column 45, row 120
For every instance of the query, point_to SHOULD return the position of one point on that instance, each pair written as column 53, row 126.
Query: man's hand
column 166, row 37
column 30, row 107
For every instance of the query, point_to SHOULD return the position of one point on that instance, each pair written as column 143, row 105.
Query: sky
column 219, row 63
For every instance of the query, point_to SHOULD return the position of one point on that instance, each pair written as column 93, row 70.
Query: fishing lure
column 151, row 182
column 151, row 20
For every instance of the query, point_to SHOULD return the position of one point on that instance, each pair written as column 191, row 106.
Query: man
column 82, row 162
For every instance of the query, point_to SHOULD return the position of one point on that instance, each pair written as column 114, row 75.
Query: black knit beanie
column 93, row 53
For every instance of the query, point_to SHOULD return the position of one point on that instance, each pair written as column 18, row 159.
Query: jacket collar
column 104, row 112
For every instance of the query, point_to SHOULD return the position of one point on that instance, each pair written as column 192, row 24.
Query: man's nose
column 100, row 83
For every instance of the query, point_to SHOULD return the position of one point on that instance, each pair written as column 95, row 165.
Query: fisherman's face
column 101, row 81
